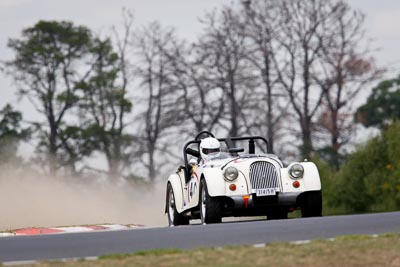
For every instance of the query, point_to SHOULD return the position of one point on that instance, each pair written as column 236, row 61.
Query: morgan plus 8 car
column 231, row 182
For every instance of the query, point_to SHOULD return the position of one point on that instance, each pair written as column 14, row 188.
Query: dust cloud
column 28, row 200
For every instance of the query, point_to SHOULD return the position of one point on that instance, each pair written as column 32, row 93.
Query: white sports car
column 235, row 183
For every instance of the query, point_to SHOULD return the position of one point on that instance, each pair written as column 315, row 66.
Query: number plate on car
column 266, row 191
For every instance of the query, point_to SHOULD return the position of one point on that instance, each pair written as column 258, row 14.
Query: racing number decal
column 192, row 188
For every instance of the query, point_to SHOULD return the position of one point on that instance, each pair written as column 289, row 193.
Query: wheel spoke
column 203, row 205
column 171, row 207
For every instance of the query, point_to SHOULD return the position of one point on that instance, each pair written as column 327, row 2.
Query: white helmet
column 209, row 147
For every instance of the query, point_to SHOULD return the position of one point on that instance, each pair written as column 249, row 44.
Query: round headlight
column 231, row 173
column 296, row 171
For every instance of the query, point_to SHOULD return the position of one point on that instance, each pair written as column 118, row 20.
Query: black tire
column 277, row 214
column 174, row 217
column 311, row 204
column 210, row 207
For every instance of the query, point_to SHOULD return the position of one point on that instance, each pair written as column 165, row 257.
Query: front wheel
column 311, row 204
column 210, row 207
column 174, row 217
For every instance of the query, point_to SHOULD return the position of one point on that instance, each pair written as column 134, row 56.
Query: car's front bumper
column 285, row 199
column 253, row 205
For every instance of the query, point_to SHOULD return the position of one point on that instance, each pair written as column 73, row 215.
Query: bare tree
column 159, row 112
column 199, row 101
column 302, row 38
column 262, row 26
column 347, row 71
column 224, row 48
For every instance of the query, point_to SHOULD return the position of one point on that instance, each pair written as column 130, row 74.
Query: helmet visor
column 210, row 150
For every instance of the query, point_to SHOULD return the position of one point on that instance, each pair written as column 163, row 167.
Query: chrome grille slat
column 261, row 181
column 263, row 175
column 269, row 181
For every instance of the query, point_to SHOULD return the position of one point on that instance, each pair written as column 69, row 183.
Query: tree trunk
column 335, row 134
column 270, row 127
column 113, row 168
column 307, row 146
column 233, row 109
column 52, row 156
column 151, row 167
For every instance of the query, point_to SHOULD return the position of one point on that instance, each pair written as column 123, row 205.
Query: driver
column 209, row 147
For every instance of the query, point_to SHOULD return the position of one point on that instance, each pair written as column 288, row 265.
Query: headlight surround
column 296, row 171
column 231, row 174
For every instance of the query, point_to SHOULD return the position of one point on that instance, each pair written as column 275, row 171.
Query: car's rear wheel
column 311, row 204
column 174, row 217
column 210, row 207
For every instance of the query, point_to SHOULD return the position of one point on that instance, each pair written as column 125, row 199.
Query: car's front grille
column 263, row 175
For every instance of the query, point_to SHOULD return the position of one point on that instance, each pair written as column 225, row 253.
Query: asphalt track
column 81, row 245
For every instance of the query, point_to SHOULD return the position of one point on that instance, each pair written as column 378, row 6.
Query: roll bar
column 228, row 142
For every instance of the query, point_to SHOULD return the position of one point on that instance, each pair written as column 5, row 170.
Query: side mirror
column 192, row 162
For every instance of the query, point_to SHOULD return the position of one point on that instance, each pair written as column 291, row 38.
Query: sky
column 382, row 20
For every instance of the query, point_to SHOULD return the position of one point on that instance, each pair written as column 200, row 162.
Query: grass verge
column 343, row 251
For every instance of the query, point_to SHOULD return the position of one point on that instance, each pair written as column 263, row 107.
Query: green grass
column 346, row 251
column 155, row 252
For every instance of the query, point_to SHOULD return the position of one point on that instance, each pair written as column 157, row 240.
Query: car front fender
column 309, row 182
column 218, row 186
column 176, row 183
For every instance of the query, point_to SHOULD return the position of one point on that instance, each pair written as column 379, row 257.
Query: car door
column 192, row 189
